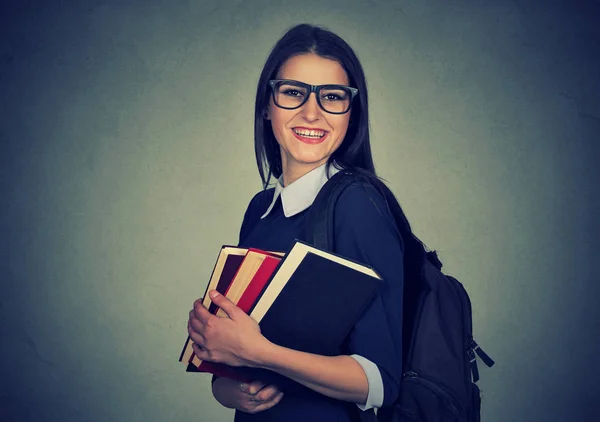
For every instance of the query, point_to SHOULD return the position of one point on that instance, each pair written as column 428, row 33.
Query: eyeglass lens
column 332, row 99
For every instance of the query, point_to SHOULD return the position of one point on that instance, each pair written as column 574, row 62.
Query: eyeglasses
column 334, row 99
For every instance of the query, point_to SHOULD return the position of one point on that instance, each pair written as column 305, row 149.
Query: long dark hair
column 355, row 151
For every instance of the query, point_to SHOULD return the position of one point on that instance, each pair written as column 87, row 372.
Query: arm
column 340, row 377
column 365, row 231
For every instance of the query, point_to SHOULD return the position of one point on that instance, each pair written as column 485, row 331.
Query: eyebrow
column 302, row 82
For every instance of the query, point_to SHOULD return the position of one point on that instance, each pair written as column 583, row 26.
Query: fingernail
column 213, row 294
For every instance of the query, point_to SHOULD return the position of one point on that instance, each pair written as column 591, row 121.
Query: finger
column 195, row 324
column 267, row 405
column 225, row 304
column 190, row 327
column 200, row 353
column 195, row 336
column 267, row 393
column 254, row 387
column 199, row 312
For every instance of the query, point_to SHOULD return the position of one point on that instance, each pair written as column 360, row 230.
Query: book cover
column 313, row 300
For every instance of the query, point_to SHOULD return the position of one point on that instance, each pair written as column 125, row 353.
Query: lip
column 311, row 141
column 309, row 128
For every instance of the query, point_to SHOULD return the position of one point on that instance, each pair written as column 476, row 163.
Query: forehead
column 314, row 70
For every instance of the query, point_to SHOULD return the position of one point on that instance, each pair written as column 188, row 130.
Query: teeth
column 310, row 133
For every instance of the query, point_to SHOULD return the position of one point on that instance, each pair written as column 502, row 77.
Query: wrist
column 261, row 354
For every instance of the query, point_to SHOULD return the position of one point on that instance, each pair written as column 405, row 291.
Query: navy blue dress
column 364, row 232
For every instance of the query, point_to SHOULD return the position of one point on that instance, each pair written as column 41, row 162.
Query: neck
column 295, row 172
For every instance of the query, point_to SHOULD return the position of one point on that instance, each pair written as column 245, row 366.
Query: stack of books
column 306, row 299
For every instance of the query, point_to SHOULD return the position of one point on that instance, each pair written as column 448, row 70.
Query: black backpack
column 439, row 353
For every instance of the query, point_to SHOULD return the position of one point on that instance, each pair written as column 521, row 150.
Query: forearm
column 339, row 377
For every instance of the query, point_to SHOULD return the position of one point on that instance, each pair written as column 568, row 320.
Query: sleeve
column 365, row 231
column 375, row 395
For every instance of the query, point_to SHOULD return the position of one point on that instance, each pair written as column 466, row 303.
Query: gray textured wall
column 127, row 160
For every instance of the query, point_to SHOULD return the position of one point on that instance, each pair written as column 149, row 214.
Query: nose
column 311, row 109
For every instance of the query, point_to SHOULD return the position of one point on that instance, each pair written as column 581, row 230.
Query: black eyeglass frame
column 313, row 88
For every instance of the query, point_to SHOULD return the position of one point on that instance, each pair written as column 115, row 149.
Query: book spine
column 258, row 283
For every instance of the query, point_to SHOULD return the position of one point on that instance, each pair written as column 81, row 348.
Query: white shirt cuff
column 375, row 396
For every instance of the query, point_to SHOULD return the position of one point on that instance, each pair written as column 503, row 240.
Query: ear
column 267, row 114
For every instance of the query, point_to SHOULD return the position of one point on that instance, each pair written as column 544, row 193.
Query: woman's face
column 300, row 154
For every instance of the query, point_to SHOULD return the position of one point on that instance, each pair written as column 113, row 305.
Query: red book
column 258, row 283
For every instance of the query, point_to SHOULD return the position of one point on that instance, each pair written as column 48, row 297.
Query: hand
column 251, row 397
column 233, row 340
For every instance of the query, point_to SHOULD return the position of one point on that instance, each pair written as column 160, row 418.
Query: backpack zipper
column 443, row 393
column 473, row 363
column 472, row 348
column 482, row 355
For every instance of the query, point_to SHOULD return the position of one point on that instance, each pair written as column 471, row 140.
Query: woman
column 301, row 139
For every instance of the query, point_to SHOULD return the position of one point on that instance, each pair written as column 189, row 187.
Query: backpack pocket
column 423, row 400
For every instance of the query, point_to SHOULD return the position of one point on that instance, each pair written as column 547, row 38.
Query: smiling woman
column 306, row 133
column 311, row 120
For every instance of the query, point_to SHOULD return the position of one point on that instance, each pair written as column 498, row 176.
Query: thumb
column 222, row 302
column 255, row 386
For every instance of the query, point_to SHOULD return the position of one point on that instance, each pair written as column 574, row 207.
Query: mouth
column 310, row 136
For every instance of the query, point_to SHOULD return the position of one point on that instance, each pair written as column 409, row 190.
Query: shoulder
column 362, row 202
column 256, row 208
column 360, row 189
column 258, row 205
column 363, row 218
column 261, row 198
column 360, row 194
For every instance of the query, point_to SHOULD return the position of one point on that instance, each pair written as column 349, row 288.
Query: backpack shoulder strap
column 318, row 229
column 319, row 226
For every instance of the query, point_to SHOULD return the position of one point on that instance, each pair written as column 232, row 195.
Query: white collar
column 300, row 194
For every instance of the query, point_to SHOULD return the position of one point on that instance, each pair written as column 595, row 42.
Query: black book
column 311, row 303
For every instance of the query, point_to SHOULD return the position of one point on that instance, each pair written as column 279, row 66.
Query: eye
column 292, row 92
column 332, row 97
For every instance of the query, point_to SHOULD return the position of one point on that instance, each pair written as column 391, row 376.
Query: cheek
column 278, row 122
column 277, row 131
column 342, row 126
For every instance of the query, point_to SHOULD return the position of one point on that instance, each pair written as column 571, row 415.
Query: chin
column 310, row 160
